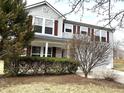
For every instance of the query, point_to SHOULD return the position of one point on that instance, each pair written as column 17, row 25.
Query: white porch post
column 41, row 52
column 46, row 49
column 100, row 36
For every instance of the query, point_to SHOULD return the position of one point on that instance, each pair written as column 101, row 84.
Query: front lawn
column 119, row 65
column 58, row 84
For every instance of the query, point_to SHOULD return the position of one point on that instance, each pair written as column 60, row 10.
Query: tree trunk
column 85, row 75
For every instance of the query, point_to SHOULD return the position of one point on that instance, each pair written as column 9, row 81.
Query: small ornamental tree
column 90, row 54
column 15, row 29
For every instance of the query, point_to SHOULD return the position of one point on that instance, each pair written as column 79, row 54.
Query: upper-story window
column 103, row 35
column 49, row 26
column 83, row 30
column 97, row 35
column 38, row 24
column 68, row 28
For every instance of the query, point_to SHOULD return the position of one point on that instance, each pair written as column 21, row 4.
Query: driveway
column 120, row 76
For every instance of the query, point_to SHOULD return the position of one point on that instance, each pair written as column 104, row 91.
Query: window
column 97, row 35
column 68, row 30
column 103, row 39
column 38, row 23
column 49, row 53
column 103, row 35
column 83, row 30
column 97, row 38
column 49, row 26
column 36, row 51
column 38, row 28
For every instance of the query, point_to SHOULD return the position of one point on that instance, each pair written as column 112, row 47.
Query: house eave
column 51, row 38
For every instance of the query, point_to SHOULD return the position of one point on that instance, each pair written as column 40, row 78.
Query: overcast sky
column 88, row 17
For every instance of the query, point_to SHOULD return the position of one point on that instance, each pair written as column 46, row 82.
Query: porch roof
column 51, row 38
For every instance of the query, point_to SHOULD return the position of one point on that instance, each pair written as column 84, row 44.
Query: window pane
column 49, row 54
column 97, row 32
column 49, row 50
column 103, row 39
column 97, row 38
column 36, row 51
column 49, row 23
column 38, row 21
column 38, row 28
column 83, row 32
column 48, row 30
column 48, row 26
column 68, row 30
column 84, row 29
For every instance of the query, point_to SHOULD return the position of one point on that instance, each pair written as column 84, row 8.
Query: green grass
column 119, row 65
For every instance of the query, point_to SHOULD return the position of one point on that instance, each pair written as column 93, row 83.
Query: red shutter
column 74, row 29
column 89, row 31
column 92, row 35
column 63, row 27
column 107, row 37
column 78, row 29
column 56, row 27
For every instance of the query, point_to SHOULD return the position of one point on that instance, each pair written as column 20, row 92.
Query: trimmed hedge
column 40, row 65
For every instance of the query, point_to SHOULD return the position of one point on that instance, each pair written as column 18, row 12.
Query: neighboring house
column 52, row 30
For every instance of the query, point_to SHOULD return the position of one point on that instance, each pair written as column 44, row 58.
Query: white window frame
column 52, row 26
column 66, row 27
column 42, row 24
column 104, row 35
column 85, row 29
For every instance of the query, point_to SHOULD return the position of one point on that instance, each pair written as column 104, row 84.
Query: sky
column 88, row 17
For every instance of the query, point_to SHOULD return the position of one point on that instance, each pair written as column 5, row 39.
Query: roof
column 88, row 25
column 51, row 38
column 45, row 3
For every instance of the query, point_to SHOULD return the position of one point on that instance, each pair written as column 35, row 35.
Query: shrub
column 40, row 65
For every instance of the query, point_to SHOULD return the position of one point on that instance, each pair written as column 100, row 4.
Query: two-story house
column 52, row 30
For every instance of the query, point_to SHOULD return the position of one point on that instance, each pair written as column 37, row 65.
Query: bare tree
column 89, row 53
column 116, row 48
column 118, row 51
column 101, row 7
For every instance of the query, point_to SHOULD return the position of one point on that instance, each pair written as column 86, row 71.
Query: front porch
column 48, row 48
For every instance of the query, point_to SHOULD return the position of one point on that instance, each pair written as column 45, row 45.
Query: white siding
column 46, row 12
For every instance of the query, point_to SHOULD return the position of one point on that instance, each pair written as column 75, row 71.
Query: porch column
column 100, row 36
column 46, row 49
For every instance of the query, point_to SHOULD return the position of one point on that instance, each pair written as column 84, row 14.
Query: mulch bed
column 59, row 79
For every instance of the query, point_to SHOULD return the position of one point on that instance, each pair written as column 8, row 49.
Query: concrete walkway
column 119, row 75
column 1, row 67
